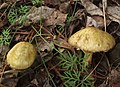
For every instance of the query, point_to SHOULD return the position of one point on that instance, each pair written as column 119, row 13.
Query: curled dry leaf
column 96, row 21
column 91, row 22
column 99, row 20
column 91, row 8
column 114, row 13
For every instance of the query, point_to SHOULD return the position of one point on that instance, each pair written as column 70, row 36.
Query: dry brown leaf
column 99, row 20
column 34, row 81
column 57, row 18
column 114, row 13
column 114, row 55
column 52, row 2
column 114, row 78
column 9, row 82
column 91, row 22
column 35, row 14
column 118, row 32
column 91, row 8
column 47, row 84
column 41, row 78
column 117, row 2
column 96, row 21
column 63, row 43
column 46, row 46
column 3, row 50
column 11, row 1
column 3, row 20
column 50, row 15
column 63, row 7
column 3, row 5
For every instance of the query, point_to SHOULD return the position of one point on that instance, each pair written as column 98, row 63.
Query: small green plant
column 18, row 15
column 69, row 19
column 5, row 37
column 74, row 67
column 36, row 2
column 12, row 16
column 68, row 61
column 71, row 78
column 23, row 10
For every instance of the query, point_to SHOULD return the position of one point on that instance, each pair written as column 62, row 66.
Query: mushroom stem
column 87, row 59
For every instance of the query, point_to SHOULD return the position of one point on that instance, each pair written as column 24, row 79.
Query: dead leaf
column 3, row 50
column 117, row 2
column 52, row 2
column 91, row 22
column 118, row 32
column 114, row 55
column 63, row 43
column 41, row 78
column 114, row 13
column 11, row 1
column 63, row 7
column 114, row 78
column 50, row 15
column 96, row 21
column 47, row 84
column 3, row 20
column 49, row 46
column 3, row 5
column 3, row 85
column 11, row 82
column 56, row 18
column 99, row 20
column 34, row 81
column 35, row 14
column 91, row 8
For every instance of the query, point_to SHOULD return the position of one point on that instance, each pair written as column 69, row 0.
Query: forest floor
column 48, row 24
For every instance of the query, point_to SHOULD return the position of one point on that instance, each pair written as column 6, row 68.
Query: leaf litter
column 59, row 19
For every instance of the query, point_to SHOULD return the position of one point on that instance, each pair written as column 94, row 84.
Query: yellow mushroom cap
column 21, row 56
column 92, row 39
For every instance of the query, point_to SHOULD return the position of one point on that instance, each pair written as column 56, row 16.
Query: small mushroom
column 21, row 56
column 92, row 40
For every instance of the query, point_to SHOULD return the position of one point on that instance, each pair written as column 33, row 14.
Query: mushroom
column 91, row 40
column 21, row 56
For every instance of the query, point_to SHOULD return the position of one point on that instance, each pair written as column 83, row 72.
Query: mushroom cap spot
column 21, row 56
column 92, row 39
